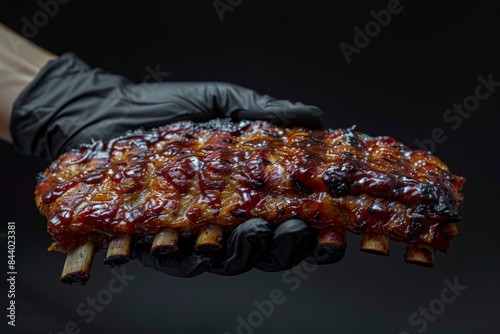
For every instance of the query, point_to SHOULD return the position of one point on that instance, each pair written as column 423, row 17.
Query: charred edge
column 413, row 229
column 258, row 183
column 300, row 186
column 165, row 249
column 434, row 200
column 76, row 278
column 340, row 180
column 337, row 177
column 447, row 206
column 337, row 188
column 116, row 260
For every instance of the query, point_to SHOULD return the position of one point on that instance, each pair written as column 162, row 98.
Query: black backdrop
column 428, row 57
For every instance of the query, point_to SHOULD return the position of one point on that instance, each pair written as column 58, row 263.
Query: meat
column 203, row 179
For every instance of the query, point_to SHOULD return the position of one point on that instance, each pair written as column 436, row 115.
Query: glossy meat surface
column 187, row 175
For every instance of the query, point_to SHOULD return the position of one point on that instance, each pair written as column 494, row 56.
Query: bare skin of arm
column 20, row 62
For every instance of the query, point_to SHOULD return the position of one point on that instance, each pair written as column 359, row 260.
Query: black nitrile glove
column 69, row 103
column 253, row 243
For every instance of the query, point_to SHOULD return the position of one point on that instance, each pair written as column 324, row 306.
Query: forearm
column 20, row 61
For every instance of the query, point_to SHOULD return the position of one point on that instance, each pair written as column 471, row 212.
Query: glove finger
column 236, row 102
column 180, row 264
column 284, row 113
column 130, row 105
column 246, row 244
column 288, row 246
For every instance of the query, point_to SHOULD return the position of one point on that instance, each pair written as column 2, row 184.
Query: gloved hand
column 254, row 243
column 70, row 103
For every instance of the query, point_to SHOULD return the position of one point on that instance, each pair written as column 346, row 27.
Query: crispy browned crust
column 187, row 176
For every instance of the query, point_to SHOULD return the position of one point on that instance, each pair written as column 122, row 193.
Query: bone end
column 375, row 243
column 165, row 241
column 420, row 254
column 209, row 238
column 77, row 265
column 332, row 237
column 119, row 250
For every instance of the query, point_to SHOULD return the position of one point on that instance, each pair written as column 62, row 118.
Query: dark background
column 428, row 58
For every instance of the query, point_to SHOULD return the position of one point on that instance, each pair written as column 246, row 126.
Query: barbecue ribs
column 203, row 179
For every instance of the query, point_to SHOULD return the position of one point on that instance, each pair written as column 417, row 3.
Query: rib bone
column 420, row 254
column 332, row 237
column 77, row 266
column 119, row 250
column 165, row 241
column 375, row 243
column 209, row 238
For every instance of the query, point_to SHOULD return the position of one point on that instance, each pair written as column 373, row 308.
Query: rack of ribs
column 200, row 180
